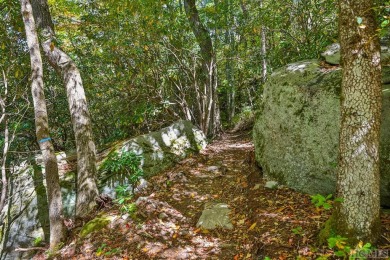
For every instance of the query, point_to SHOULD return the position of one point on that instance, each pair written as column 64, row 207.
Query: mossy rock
column 95, row 225
column 158, row 150
column 296, row 132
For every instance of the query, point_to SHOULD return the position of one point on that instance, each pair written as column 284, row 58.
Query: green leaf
column 339, row 253
column 385, row 23
column 332, row 242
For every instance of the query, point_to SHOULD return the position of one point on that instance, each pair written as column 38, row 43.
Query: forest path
column 278, row 223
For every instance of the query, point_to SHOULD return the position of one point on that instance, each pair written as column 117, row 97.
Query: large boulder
column 332, row 54
column 164, row 148
column 160, row 150
column 297, row 129
column 24, row 221
column 25, row 218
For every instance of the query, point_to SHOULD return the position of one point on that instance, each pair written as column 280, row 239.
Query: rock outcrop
column 297, row 128
column 160, row 150
column 332, row 54
column 25, row 217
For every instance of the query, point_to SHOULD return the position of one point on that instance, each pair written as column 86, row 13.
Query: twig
column 388, row 240
column 30, row 249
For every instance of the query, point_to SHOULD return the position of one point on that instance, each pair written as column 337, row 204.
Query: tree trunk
column 263, row 48
column 210, row 117
column 87, row 190
column 357, row 217
column 42, row 128
column 4, row 119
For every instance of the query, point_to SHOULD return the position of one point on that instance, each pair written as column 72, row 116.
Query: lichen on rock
column 95, row 225
column 215, row 215
column 297, row 128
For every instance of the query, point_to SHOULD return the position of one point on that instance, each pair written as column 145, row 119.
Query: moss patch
column 95, row 224
column 327, row 231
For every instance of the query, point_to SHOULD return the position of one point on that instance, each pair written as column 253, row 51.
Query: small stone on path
column 271, row 184
column 215, row 215
column 212, row 168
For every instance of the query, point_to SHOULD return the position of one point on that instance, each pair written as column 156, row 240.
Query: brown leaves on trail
column 278, row 223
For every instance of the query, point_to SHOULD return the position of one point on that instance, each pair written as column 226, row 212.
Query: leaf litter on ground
column 277, row 223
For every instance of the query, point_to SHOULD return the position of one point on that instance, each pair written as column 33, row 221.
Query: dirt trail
column 278, row 223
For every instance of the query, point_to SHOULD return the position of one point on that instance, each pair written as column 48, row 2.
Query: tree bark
column 263, row 48
column 87, row 190
column 210, row 122
column 4, row 119
column 42, row 128
column 357, row 217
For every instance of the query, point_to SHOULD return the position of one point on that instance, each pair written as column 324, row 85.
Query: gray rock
column 297, row 129
column 212, row 168
column 215, row 215
column 159, row 150
column 271, row 184
column 162, row 216
column 332, row 54
column 25, row 217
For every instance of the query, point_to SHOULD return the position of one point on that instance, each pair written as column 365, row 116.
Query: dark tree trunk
column 357, row 217
column 264, row 63
column 209, row 120
column 4, row 118
column 87, row 190
column 42, row 129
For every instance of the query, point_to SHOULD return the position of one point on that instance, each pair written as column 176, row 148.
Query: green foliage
column 341, row 248
column 130, row 208
column 100, row 249
column 135, row 57
column 298, row 231
column 122, row 193
column 38, row 241
column 324, row 202
column 123, row 198
column 245, row 114
column 104, row 250
column 320, row 201
column 122, row 167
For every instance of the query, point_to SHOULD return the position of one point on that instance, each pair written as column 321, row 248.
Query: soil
column 278, row 223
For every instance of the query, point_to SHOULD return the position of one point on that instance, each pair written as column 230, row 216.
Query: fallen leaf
column 257, row 186
column 197, row 230
column 241, row 222
column 253, row 226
